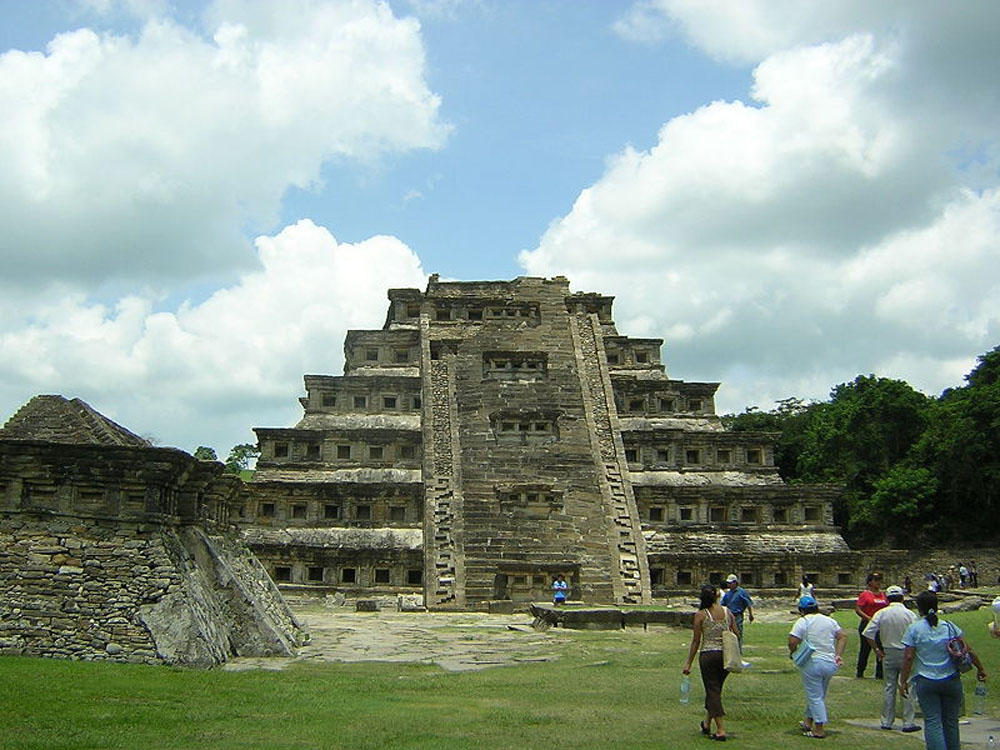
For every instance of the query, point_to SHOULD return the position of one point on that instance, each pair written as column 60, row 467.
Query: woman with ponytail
column 935, row 677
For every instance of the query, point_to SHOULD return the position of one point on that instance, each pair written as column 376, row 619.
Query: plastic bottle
column 686, row 689
column 979, row 699
column 991, row 742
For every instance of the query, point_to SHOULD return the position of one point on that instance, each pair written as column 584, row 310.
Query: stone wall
column 121, row 553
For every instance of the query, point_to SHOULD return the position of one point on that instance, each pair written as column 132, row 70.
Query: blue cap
column 806, row 601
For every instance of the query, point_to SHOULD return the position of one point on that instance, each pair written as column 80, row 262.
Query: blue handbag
column 804, row 651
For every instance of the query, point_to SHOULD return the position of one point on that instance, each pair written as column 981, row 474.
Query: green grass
column 607, row 689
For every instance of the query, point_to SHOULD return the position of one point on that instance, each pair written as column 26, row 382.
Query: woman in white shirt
column 806, row 588
column 828, row 640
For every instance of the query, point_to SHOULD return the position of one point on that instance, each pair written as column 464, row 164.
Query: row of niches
column 632, row 357
column 735, row 513
column 373, row 512
column 483, row 313
column 525, row 430
column 370, row 355
column 651, row 458
column 365, row 403
column 664, row 577
column 92, row 499
column 396, row 455
column 351, row 576
column 520, row 365
column 661, row 404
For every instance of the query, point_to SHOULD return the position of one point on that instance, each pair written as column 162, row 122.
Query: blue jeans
column 739, row 626
column 816, row 676
column 941, row 702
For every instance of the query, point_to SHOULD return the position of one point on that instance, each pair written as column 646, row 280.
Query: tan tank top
column 711, row 631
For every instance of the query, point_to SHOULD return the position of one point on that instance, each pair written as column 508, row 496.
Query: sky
column 198, row 199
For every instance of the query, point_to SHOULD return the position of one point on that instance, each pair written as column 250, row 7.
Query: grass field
column 606, row 690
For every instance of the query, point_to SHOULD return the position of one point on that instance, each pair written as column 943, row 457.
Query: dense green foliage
column 914, row 468
column 241, row 457
column 604, row 689
column 204, row 453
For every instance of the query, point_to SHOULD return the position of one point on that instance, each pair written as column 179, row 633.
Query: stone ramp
column 455, row 641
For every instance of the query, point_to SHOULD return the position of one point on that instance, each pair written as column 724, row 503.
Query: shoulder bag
column 732, row 659
column 961, row 657
column 804, row 651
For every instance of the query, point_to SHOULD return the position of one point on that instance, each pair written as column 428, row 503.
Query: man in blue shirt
column 737, row 601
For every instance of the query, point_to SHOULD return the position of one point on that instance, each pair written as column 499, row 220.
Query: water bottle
column 991, row 743
column 686, row 689
column 979, row 699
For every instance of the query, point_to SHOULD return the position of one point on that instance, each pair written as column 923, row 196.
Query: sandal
column 704, row 730
column 719, row 737
column 814, row 736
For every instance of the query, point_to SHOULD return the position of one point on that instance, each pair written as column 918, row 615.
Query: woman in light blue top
column 935, row 678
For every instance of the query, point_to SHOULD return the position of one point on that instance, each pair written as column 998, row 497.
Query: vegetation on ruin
column 605, row 689
column 916, row 469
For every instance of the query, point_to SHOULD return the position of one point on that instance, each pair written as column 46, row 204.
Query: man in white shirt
column 889, row 623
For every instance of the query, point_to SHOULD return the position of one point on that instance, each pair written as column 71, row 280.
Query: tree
column 204, row 453
column 789, row 419
column 901, row 502
column 868, row 426
column 961, row 446
column 241, row 457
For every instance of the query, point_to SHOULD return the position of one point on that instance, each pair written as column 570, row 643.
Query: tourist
column 963, row 575
column 884, row 634
column 936, row 680
column 870, row 601
column 907, row 584
column 973, row 574
column 806, row 588
column 710, row 621
column 560, row 589
column 828, row 640
column 737, row 601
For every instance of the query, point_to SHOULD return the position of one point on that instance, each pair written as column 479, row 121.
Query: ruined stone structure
column 113, row 549
column 492, row 434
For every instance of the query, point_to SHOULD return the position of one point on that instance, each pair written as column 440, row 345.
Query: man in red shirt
column 870, row 601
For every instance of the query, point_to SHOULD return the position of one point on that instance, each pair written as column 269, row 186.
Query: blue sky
column 539, row 94
column 200, row 198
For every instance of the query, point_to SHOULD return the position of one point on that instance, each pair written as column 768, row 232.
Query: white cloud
column 835, row 226
column 206, row 373
column 147, row 157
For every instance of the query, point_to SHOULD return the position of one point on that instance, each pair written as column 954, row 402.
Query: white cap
column 731, row 578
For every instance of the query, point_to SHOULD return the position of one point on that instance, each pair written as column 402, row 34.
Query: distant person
column 884, row 634
column 995, row 625
column 828, row 641
column 973, row 574
column 560, row 589
column 738, row 601
column 907, row 584
column 806, row 588
column 710, row 621
column 935, row 679
column 963, row 575
column 870, row 601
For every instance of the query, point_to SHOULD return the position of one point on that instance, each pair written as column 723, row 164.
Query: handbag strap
column 805, row 636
